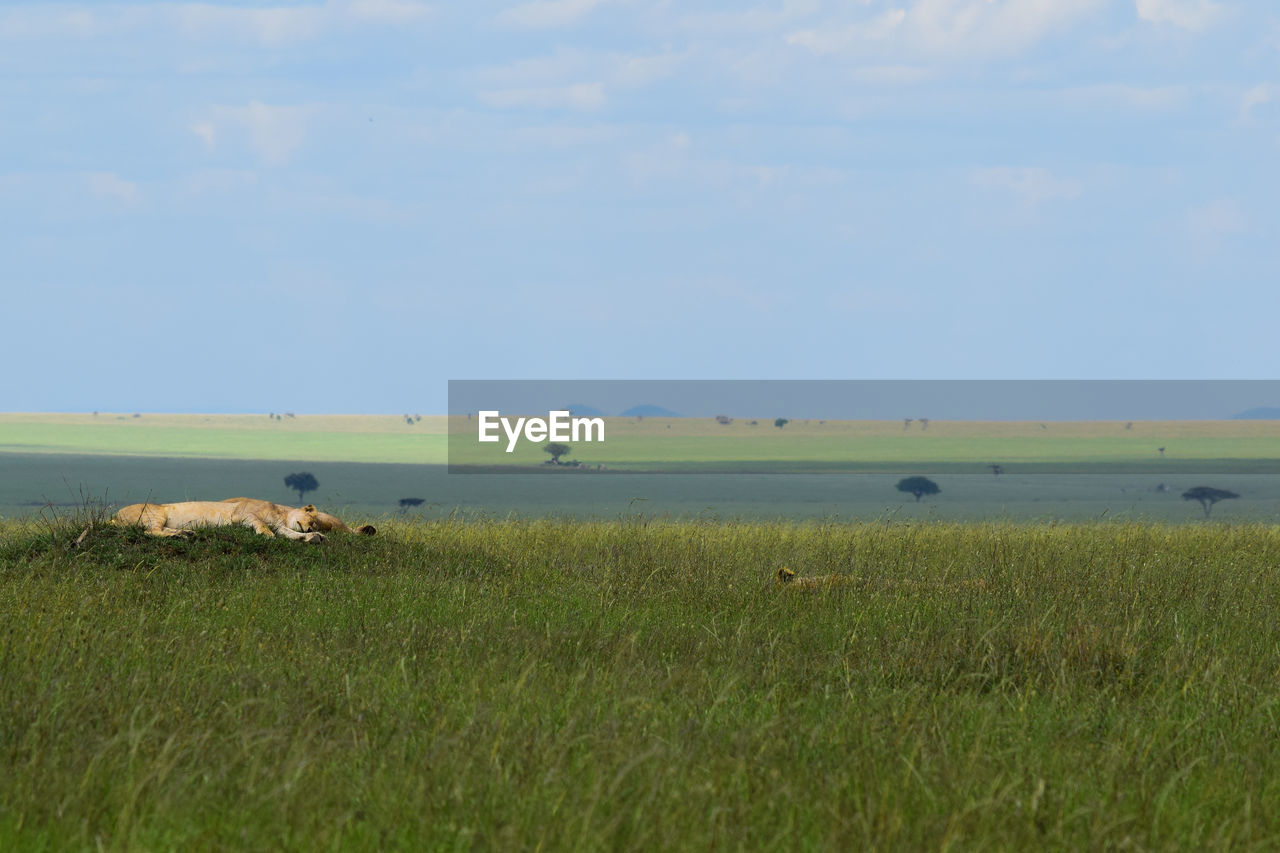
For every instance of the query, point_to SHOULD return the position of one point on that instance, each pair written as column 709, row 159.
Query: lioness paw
column 313, row 537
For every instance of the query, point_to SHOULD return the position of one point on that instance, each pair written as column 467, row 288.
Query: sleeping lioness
column 324, row 521
column 177, row 519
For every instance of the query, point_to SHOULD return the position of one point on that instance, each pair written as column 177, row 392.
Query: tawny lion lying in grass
column 178, row 519
column 323, row 521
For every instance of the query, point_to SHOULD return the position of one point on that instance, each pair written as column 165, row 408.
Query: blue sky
column 336, row 207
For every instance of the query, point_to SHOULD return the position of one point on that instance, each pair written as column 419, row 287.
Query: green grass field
column 641, row 685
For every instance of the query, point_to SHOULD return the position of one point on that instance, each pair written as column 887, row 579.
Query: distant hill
column 649, row 411
column 582, row 410
column 1263, row 413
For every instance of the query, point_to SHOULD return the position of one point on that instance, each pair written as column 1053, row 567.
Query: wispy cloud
column 678, row 160
column 567, row 136
column 947, row 27
column 823, row 40
column 112, row 186
column 547, row 14
column 1193, row 15
column 1253, row 98
column 755, row 20
column 275, row 133
column 33, row 21
column 207, row 133
column 892, row 75
column 1210, row 225
column 577, row 96
column 272, row 26
column 1031, row 184
column 571, row 79
column 1129, row 97
column 387, row 11
column 574, row 66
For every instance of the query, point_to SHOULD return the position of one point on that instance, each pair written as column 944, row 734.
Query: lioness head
column 785, row 575
column 303, row 520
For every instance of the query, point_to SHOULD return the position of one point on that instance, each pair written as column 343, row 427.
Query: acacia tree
column 556, row 449
column 918, row 486
column 1207, row 496
column 302, row 482
column 781, row 422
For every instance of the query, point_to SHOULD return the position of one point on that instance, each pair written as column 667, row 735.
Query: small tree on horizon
column 918, row 486
column 302, row 482
column 556, row 449
column 781, row 422
column 1207, row 496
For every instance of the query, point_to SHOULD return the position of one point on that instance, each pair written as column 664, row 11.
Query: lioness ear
column 309, row 508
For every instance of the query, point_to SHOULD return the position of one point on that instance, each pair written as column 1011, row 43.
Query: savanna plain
column 642, row 682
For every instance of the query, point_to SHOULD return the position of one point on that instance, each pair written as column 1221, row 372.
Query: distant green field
column 319, row 438
column 367, row 464
column 703, row 444
column 660, row 444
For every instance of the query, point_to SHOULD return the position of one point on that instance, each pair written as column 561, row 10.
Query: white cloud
column 577, row 96
column 267, row 25
column 826, row 40
column 567, row 136
column 1193, row 15
column 749, row 21
column 1255, row 97
column 1211, row 224
column 982, row 26
column 387, row 11
column 43, row 21
column 949, row 27
column 1032, row 185
column 545, row 14
column 891, row 75
column 571, row 79
column 111, row 185
column 218, row 182
column 630, row 70
column 273, row 132
column 207, row 132
column 565, row 67
column 676, row 160
column 1130, row 97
